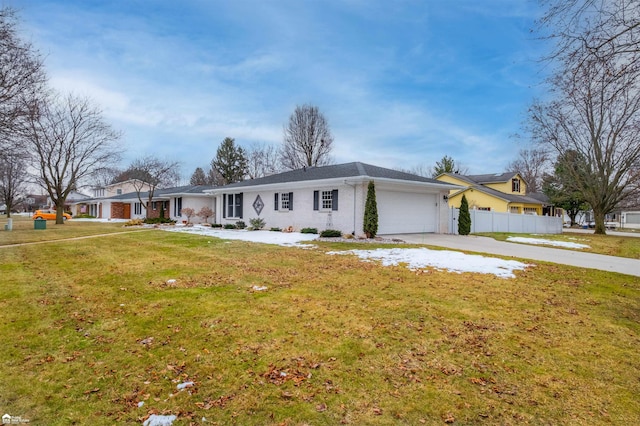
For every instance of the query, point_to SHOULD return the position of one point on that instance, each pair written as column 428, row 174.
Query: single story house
column 498, row 192
column 169, row 201
column 333, row 197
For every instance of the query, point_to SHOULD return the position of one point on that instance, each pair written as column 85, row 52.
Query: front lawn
column 97, row 332
column 611, row 245
column 24, row 232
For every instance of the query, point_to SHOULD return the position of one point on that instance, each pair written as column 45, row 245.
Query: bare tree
column 532, row 164
column 307, row 139
column 69, row 141
column 22, row 78
column 596, row 106
column 262, row 160
column 150, row 173
column 13, row 177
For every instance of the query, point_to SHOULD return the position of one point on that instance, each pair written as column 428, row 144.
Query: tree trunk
column 599, row 219
column 59, row 212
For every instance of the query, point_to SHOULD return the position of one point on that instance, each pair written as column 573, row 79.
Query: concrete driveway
column 524, row 251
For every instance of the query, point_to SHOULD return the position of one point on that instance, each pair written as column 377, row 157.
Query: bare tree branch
column 307, row 139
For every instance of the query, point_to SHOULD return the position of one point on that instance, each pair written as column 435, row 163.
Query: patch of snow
column 185, row 385
column 565, row 244
column 158, row 420
column 140, row 404
column 259, row 288
column 290, row 239
column 417, row 258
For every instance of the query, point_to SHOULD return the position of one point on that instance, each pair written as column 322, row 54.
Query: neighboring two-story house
column 499, row 192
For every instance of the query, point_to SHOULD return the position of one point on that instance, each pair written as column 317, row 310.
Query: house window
column 530, row 210
column 283, row 201
column 137, row 208
column 514, row 210
column 177, row 206
column 119, row 191
column 484, row 209
column 515, row 185
column 233, row 205
column 154, row 205
column 325, row 200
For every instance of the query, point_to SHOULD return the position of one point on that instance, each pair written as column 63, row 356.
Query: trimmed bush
column 84, row 216
column 240, row 224
column 230, row 226
column 464, row 219
column 133, row 222
column 331, row 233
column 275, row 229
column 257, row 223
column 309, row 231
column 216, row 225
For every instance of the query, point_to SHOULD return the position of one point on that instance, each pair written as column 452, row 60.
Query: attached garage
column 406, row 212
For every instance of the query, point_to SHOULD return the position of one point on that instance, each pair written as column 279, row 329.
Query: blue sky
column 402, row 83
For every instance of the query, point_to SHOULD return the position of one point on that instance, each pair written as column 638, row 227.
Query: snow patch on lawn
column 158, row 420
column 295, row 239
column 543, row 241
column 452, row 261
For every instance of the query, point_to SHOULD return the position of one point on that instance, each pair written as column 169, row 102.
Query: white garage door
column 403, row 212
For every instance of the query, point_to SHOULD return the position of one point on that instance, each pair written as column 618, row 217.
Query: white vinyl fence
column 484, row 221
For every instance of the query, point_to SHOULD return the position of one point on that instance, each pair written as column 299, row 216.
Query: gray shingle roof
column 337, row 171
column 492, row 178
column 512, row 198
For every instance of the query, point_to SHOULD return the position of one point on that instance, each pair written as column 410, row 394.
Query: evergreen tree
column 198, row 177
column 464, row 219
column 230, row 162
column 370, row 226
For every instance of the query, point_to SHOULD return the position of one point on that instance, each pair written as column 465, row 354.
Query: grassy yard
column 24, row 232
column 600, row 244
column 92, row 330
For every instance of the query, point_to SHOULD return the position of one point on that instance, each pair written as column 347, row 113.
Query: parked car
column 49, row 215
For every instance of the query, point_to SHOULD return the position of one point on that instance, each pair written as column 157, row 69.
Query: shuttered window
column 325, row 200
column 283, row 201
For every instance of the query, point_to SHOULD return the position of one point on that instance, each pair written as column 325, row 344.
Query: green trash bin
column 39, row 224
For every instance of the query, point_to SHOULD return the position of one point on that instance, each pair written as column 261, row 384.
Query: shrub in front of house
column 309, row 231
column 133, row 222
column 158, row 220
column 240, row 224
column 464, row 218
column 216, row 225
column 331, row 233
column 230, row 226
column 275, row 229
column 257, row 223
column 84, row 216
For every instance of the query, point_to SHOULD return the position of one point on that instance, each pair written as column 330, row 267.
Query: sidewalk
column 489, row 245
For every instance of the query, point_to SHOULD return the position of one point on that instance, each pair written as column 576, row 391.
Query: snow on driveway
column 545, row 242
column 414, row 258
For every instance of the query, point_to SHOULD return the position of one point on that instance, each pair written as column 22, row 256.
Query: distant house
column 168, row 201
column 95, row 206
column 333, row 197
column 499, row 192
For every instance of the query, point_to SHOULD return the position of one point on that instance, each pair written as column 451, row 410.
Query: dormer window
column 515, row 185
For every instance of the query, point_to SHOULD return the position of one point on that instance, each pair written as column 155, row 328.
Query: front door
column 127, row 211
